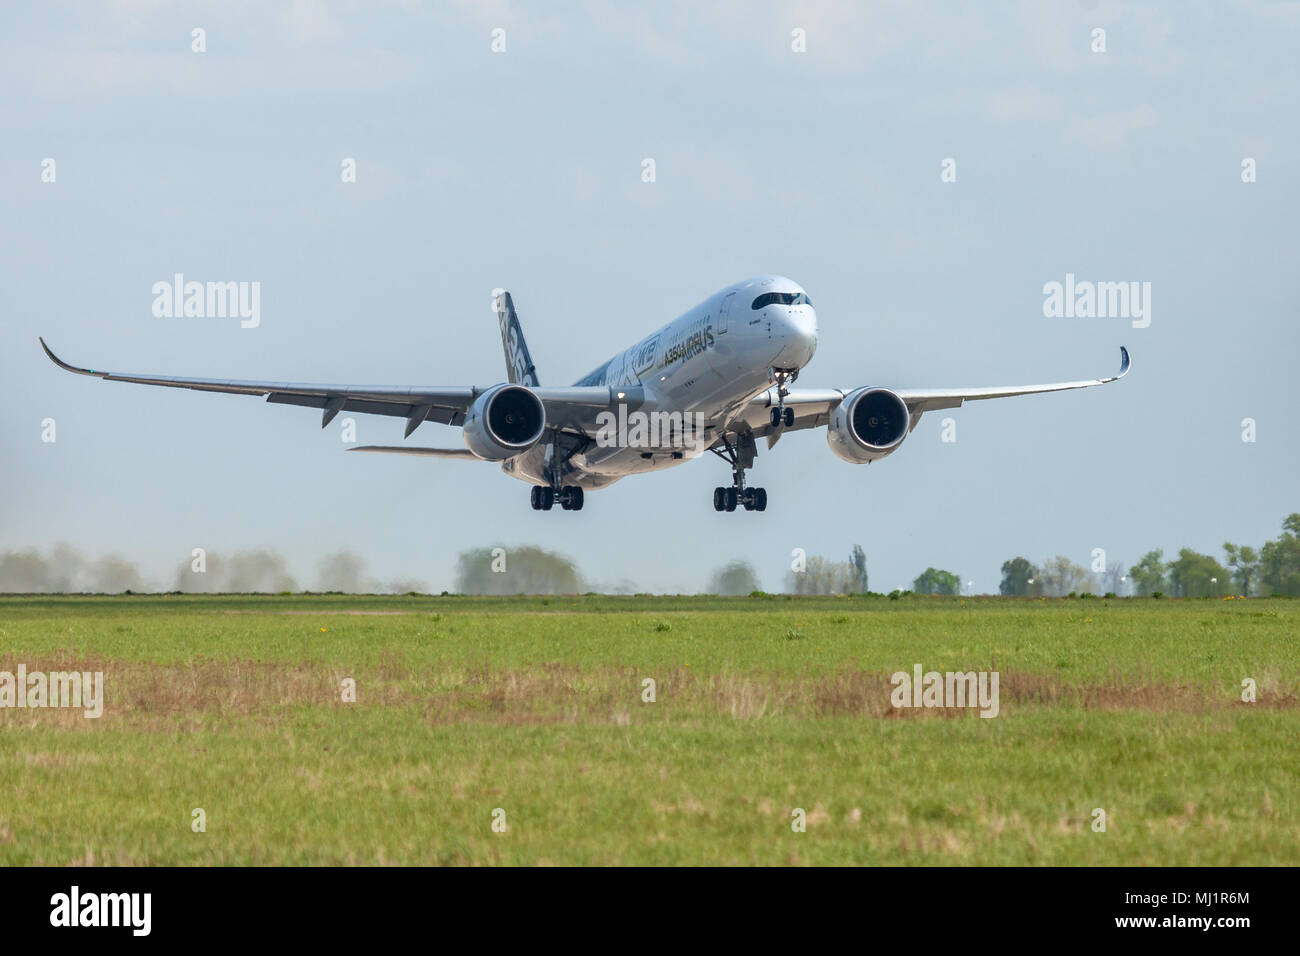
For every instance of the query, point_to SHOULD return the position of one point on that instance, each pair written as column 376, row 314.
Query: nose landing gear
column 781, row 415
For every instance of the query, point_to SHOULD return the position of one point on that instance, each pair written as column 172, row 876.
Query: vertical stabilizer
column 519, row 363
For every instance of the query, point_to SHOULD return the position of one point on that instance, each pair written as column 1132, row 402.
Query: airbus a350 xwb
column 716, row 379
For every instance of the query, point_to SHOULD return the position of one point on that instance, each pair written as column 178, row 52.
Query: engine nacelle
column 503, row 422
column 868, row 425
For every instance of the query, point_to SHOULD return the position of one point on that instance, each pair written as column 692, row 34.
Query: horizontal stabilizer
column 426, row 452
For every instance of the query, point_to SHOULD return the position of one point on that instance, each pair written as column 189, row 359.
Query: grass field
column 763, row 705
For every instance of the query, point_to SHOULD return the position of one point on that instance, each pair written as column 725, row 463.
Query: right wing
column 572, row 408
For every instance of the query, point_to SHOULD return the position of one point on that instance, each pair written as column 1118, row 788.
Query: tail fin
column 519, row 363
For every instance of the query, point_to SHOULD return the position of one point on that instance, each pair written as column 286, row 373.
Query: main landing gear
column 544, row 497
column 570, row 498
column 741, row 456
column 751, row 499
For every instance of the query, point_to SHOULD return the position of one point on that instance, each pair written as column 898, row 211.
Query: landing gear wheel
column 571, row 498
column 719, row 499
column 731, row 499
column 535, row 497
column 760, row 499
column 789, row 418
column 749, row 498
column 547, row 498
column 775, row 417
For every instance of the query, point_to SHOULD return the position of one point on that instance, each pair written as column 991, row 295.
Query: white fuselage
column 706, row 364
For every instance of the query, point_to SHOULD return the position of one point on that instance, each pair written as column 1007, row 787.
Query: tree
column 1149, row 574
column 1016, row 574
column 24, row 572
column 1112, row 579
column 525, row 569
column 1244, row 561
column 1279, row 561
column 114, row 574
column 64, row 571
column 244, row 572
column 1196, row 575
column 934, row 581
column 738, row 577
column 67, row 568
column 823, row 576
column 1061, row 576
column 858, row 559
column 344, row 572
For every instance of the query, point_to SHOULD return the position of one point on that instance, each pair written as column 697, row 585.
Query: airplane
column 717, row 379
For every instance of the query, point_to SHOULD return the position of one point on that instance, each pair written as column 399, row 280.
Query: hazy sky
column 523, row 169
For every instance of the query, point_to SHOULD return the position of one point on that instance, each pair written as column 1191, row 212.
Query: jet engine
column 503, row 422
column 867, row 425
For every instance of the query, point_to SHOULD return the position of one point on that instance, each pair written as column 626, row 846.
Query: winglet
column 1123, row 365
column 65, row 366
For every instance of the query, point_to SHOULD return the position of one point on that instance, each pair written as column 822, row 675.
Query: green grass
column 764, row 704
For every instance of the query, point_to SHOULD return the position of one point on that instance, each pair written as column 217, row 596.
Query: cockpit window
column 780, row 298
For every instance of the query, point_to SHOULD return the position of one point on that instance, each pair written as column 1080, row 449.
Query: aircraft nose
column 799, row 335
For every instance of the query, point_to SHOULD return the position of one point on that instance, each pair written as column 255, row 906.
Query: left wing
column 462, row 453
column 813, row 407
column 570, row 408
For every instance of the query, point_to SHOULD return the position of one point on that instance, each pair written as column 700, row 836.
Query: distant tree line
column 1274, row 568
column 64, row 570
column 1056, row 578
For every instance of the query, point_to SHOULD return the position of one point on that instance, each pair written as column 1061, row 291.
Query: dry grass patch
column 552, row 693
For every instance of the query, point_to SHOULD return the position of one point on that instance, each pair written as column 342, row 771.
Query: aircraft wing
column 462, row 453
column 813, row 407
column 569, row 408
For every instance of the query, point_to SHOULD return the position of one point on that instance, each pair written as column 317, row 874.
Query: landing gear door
column 725, row 312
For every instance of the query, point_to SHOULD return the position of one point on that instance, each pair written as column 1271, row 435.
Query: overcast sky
column 522, row 169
